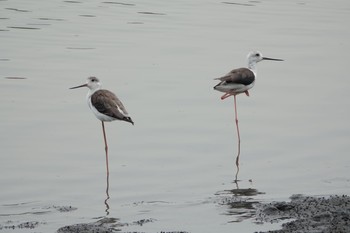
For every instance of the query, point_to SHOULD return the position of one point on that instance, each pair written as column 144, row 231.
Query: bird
column 105, row 105
column 239, row 81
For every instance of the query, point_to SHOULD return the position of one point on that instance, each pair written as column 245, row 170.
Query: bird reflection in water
column 239, row 202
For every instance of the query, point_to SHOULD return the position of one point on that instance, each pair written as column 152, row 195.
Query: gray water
column 176, row 164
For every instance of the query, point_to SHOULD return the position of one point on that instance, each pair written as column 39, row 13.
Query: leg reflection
column 107, row 195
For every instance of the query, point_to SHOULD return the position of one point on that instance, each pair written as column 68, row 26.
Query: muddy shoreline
column 306, row 214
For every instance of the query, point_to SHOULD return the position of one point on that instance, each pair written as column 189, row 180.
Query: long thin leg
column 236, row 119
column 106, row 146
column 238, row 135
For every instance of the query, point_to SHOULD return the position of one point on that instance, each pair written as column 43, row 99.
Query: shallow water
column 174, row 167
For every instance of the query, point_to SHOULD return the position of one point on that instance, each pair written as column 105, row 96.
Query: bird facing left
column 104, row 104
column 106, row 107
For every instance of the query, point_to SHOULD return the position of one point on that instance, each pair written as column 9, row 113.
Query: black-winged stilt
column 240, row 81
column 105, row 105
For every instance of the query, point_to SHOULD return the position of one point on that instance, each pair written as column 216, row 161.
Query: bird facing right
column 241, row 80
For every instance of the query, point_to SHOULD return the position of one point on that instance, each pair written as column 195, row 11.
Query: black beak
column 271, row 59
column 84, row 85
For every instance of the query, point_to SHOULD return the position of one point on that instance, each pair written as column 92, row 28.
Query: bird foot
column 226, row 95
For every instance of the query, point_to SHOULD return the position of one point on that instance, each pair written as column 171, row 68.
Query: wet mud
column 11, row 225
column 302, row 214
column 106, row 225
column 308, row 214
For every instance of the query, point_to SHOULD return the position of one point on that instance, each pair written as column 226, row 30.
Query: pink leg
column 238, row 135
column 236, row 119
column 106, row 149
column 226, row 95
column 106, row 146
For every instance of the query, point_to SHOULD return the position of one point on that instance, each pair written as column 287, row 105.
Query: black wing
column 107, row 103
column 239, row 76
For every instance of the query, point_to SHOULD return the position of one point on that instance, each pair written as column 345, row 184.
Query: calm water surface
column 174, row 168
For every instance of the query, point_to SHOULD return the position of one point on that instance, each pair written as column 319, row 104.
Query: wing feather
column 238, row 76
column 107, row 103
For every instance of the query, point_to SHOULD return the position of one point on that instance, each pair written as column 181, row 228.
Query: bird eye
column 257, row 54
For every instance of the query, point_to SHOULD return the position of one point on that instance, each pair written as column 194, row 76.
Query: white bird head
column 255, row 57
column 92, row 83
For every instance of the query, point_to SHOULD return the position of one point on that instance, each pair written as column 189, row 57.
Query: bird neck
column 252, row 65
column 92, row 91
